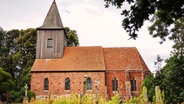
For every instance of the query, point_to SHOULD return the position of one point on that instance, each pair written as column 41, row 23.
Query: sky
column 95, row 24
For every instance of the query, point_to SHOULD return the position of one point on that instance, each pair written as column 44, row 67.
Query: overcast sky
column 95, row 24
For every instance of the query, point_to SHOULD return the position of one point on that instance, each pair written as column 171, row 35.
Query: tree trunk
column 7, row 97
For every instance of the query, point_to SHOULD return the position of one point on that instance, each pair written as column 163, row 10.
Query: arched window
column 114, row 84
column 46, row 84
column 89, row 83
column 133, row 84
column 67, row 84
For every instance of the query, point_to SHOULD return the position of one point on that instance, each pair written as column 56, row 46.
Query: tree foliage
column 72, row 38
column 163, row 12
column 178, row 37
column 170, row 79
column 6, row 82
column 149, row 83
column 173, row 82
column 18, row 50
column 18, row 96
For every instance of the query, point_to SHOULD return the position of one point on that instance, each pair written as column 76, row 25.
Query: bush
column 18, row 96
column 115, row 99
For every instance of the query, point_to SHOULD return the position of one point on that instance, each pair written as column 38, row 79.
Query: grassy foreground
column 90, row 99
column 87, row 99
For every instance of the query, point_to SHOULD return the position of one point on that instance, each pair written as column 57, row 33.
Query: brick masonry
column 122, row 77
column 57, row 82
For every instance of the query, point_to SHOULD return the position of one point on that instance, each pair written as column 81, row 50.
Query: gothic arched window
column 89, row 83
column 67, row 84
column 114, row 84
column 133, row 84
column 46, row 84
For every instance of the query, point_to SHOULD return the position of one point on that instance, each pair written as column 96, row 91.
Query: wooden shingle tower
column 51, row 37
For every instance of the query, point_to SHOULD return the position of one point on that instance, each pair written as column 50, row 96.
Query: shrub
column 18, row 96
column 115, row 99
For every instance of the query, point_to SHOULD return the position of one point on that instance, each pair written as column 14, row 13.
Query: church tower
column 51, row 37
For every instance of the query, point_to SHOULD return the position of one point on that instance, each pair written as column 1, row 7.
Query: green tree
column 25, row 55
column 2, row 40
column 18, row 96
column 158, row 63
column 178, row 37
column 173, row 79
column 149, row 83
column 8, row 50
column 163, row 12
column 6, row 83
column 72, row 38
column 174, row 69
column 170, row 79
column 18, row 53
column 2, row 46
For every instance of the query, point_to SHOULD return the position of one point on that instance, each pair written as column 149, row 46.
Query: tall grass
column 90, row 99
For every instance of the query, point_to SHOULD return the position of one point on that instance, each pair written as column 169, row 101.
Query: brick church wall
column 122, row 77
column 57, row 83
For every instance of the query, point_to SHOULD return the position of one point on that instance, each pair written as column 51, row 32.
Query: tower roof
column 53, row 19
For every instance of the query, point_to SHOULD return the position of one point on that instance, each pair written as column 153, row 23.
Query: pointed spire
column 53, row 19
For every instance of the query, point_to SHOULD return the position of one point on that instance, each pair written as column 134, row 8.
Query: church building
column 60, row 70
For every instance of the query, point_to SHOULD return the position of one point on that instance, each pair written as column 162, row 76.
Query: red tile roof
column 123, row 58
column 93, row 59
column 75, row 58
